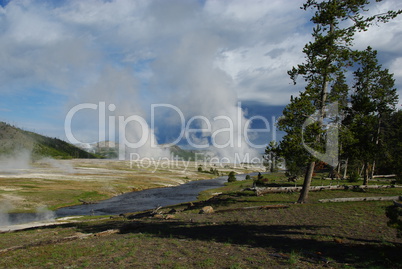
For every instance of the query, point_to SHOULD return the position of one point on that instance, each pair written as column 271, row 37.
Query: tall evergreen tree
column 328, row 57
column 392, row 142
column 373, row 101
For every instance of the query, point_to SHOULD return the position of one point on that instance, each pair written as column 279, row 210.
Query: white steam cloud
column 15, row 162
column 5, row 207
column 64, row 167
column 200, row 56
column 8, row 219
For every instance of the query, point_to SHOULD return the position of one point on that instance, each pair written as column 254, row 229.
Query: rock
column 158, row 216
column 207, row 210
column 190, row 206
column 172, row 211
column 338, row 240
column 170, row 216
column 107, row 232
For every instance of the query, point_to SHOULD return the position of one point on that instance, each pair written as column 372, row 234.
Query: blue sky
column 203, row 57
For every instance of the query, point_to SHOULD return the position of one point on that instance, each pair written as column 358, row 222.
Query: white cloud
column 261, row 71
column 396, row 69
column 201, row 57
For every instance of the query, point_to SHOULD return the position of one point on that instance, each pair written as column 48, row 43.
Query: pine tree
column 373, row 100
column 328, row 57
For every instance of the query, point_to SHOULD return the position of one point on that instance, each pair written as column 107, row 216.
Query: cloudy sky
column 201, row 57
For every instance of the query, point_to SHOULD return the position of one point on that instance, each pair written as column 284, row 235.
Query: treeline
column 14, row 139
column 346, row 115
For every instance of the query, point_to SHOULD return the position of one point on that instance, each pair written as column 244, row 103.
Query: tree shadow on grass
column 281, row 238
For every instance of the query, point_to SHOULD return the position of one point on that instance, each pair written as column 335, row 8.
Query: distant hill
column 105, row 149
column 13, row 139
column 186, row 154
column 110, row 150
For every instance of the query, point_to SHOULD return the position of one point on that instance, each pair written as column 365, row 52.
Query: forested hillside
column 13, row 139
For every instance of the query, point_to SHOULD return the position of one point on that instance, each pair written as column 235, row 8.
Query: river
column 131, row 202
column 147, row 199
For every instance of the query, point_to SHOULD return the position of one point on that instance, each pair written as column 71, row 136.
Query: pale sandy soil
column 47, row 182
column 36, row 224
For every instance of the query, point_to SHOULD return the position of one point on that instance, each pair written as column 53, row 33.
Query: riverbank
column 313, row 235
column 54, row 184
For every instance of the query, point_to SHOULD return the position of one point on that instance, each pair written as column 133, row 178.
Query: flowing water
column 146, row 199
column 133, row 201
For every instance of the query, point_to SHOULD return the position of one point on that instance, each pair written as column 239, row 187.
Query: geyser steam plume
column 15, row 162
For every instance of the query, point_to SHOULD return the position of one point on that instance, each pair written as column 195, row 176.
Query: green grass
column 351, row 234
column 285, row 238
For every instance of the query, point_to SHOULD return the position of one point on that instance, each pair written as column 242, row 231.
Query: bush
column 394, row 214
column 199, row 169
column 261, row 181
column 248, row 177
column 353, row 176
column 232, row 177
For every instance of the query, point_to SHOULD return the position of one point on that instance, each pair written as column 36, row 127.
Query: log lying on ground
column 360, row 199
column 383, row 176
column 59, row 240
column 262, row 190
column 252, row 207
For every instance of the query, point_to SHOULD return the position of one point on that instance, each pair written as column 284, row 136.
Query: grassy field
column 312, row 235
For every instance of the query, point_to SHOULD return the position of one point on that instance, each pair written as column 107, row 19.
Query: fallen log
column 360, row 199
column 47, row 242
column 263, row 190
column 252, row 207
column 59, row 240
column 383, row 176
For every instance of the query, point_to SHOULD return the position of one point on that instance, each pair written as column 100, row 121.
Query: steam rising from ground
column 65, row 167
column 15, row 162
column 201, row 56
column 7, row 219
column 182, row 72
column 5, row 207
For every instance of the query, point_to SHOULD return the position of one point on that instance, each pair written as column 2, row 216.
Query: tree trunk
column 361, row 171
column 324, row 94
column 372, row 171
column 345, row 169
column 306, row 184
column 365, row 173
column 376, row 143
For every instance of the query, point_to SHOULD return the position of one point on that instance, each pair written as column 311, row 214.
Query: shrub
column 232, row 177
column 261, row 181
column 394, row 214
column 248, row 177
column 353, row 176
